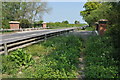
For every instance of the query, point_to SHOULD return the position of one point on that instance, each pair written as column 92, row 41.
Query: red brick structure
column 102, row 27
column 14, row 25
column 44, row 25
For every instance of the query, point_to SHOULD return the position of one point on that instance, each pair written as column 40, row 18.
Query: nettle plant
column 21, row 58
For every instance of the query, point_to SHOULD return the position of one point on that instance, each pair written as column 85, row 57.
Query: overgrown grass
column 89, row 29
column 98, row 58
column 58, row 58
column 54, row 58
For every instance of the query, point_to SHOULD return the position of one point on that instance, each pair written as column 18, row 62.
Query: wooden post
column 5, row 49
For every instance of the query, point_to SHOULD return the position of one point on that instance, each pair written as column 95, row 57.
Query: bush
column 8, row 67
column 5, row 24
column 98, row 58
column 114, row 33
column 15, row 62
column 21, row 58
column 62, row 61
column 24, row 23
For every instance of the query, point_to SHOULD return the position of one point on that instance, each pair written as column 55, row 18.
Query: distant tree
column 24, row 23
column 77, row 22
column 10, row 10
column 58, row 22
column 66, row 22
column 40, row 22
column 23, row 10
column 5, row 24
column 34, row 10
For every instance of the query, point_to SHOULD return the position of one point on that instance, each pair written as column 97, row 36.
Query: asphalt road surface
column 19, row 35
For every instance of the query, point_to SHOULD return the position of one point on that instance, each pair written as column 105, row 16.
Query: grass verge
column 54, row 58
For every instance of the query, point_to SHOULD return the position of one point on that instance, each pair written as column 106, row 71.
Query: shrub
column 21, row 58
column 61, row 62
column 98, row 58
column 5, row 24
column 24, row 23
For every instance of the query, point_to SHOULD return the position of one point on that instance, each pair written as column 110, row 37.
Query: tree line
column 110, row 11
column 101, row 10
column 30, row 11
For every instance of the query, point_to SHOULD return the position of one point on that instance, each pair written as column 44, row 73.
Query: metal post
column 5, row 49
column 45, row 37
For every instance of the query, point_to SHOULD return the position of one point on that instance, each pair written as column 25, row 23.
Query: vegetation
column 24, row 23
column 90, row 29
column 98, row 58
column 77, row 22
column 6, row 32
column 90, row 7
column 22, row 10
column 56, row 58
column 65, row 22
column 102, row 52
column 62, row 25
column 104, row 10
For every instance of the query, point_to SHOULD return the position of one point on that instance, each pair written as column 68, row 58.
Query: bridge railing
column 5, row 48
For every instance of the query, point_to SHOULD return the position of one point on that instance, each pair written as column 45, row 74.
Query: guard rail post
column 5, row 49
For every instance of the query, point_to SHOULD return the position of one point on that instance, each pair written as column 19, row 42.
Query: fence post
column 5, row 49
column 45, row 37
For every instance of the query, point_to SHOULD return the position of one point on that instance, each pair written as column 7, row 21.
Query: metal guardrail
column 10, row 46
column 23, row 29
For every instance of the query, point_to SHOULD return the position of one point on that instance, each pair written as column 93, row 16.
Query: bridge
column 17, row 40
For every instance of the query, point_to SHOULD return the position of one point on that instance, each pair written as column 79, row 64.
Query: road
column 19, row 35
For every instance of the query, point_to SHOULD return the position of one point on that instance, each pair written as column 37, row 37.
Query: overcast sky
column 62, row 11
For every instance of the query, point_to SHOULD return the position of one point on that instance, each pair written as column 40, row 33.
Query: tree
column 89, row 7
column 77, row 22
column 24, row 10
column 24, row 23
column 40, row 22
column 110, row 11
column 34, row 10
column 65, row 22
column 10, row 10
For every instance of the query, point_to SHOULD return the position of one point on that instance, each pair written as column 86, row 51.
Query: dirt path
column 84, row 35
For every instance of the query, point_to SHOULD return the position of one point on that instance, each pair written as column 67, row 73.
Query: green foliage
column 23, row 10
column 65, row 22
column 40, row 22
column 15, row 62
column 62, row 61
column 62, row 25
column 77, row 22
column 10, row 10
column 98, row 58
column 98, row 71
column 24, row 23
column 54, row 58
column 89, row 7
column 21, row 58
column 114, row 33
column 107, row 10
column 5, row 24
column 8, row 67
column 89, row 29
